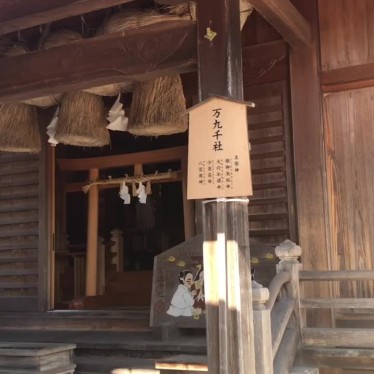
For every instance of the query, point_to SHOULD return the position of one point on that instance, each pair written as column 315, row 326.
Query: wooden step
column 183, row 363
column 121, row 320
column 304, row 370
column 362, row 359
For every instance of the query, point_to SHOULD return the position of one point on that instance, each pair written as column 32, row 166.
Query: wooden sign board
column 178, row 286
column 218, row 150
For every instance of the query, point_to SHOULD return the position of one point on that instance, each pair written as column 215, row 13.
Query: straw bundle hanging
column 128, row 20
column 81, row 120
column 189, row 9
column 19, row 131
column 43, row 102
column 158, row 106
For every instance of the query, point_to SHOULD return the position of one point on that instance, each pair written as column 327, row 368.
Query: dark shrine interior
column 148, row 229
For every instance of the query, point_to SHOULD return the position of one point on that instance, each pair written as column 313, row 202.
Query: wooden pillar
column 92, row 233
column 225, row 221
column 262, row 331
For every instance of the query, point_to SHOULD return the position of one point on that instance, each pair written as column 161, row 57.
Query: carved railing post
column 289, row 254
column 262, row 330
column 116, row 249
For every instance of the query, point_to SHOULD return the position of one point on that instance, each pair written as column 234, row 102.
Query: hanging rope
column 139, row 179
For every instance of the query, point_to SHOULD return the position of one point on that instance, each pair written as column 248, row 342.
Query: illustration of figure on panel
column 188, row 300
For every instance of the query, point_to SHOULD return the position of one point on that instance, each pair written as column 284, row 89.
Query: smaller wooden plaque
column 218, row 150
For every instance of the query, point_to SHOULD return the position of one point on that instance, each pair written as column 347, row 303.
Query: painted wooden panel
column 346, row 33
column 19, row 231
column 349, row 118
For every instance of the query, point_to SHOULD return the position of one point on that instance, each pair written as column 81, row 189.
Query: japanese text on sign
column 217, row 130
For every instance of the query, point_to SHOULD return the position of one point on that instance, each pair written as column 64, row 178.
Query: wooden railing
column 276, row 314
column 338, row 337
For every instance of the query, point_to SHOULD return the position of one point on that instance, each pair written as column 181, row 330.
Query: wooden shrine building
column 100, row 246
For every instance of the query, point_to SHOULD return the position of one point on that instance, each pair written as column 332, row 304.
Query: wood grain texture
column 346, row 33
column 339, row 275
column 353, row 303
column 309, row 160
column 348, row 78
column 350, row 156
column 327, row 337
column 286, row 19
column 337, row 358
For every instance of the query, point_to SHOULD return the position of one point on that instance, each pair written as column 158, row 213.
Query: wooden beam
column 348, row 78
column 129, row 159
column 138, row 54
column 286, row 19
column 18, row 15
column 170, row 2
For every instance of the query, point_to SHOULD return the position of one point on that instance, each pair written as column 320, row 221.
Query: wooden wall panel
column 19, row 232
column 271, row 208
column 349, row 119
column 346, row 33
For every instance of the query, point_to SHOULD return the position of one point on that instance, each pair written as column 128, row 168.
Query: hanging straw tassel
column 158, row 107
column 82, row 121
column 19, row 131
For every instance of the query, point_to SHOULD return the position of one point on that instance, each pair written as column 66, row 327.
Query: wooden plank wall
column 346, row 31
column 349, row 133
column 272, row 208
column 19, row 231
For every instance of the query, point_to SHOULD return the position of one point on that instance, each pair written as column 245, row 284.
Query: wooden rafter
column 286, row 19
column 18, row 15
column 139, row 54
column 281, row 14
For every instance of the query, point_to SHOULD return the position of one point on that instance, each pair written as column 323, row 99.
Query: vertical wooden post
column 225, row 221
column 289, row 254
column 262, row 331
column 101, row 275
column 117, row 249
column 92, row 233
